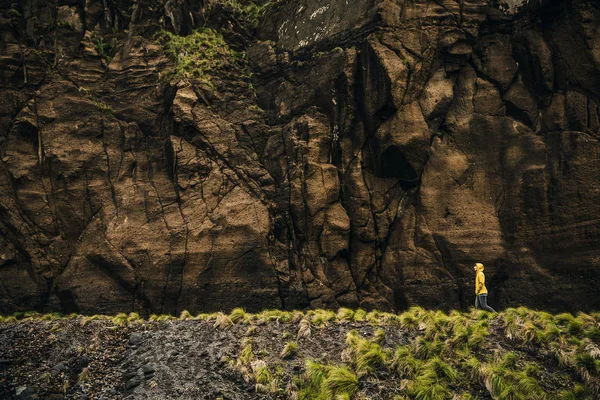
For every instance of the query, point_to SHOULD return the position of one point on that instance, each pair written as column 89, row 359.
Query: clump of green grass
column 85, row 320
column 345, row 314
column 379, row 336
column 32, row 315
column 246, row 355
column 120, row 319
column 161, row 317
column 578, row 392
column 425, row 348
column 409, row 321
column 504, row 379
column 405, row 363
column 320, row 317
column 199, row 55
column 222, row 321
column 366, row 355
column 290, row 350
column 276, row 316
column 103, row 48
column 51, row 316
column 134, row 318
column 239, row 315
column 327, row 382
column 204, row 317
column 8, row 319
column 359, row 315
column 479, row 332
column 266, row 382
column 340, row 381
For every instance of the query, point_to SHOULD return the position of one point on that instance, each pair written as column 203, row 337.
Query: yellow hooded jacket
column 480, row 280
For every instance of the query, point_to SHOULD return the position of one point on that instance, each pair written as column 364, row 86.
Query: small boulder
column 135, row 339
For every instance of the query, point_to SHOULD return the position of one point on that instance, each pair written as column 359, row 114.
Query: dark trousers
column 481, row 302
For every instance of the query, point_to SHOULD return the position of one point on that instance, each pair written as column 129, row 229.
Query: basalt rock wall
column 377, row 150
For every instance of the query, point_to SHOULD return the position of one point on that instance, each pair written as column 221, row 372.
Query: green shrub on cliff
column 198, row 55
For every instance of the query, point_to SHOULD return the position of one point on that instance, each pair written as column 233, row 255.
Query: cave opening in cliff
column 395, row 165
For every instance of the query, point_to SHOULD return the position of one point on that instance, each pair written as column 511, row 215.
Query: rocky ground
column 352, row 354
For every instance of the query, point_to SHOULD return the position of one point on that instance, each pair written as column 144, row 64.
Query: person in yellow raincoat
column 480, row 289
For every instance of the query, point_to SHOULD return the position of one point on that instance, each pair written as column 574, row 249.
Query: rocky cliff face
column 358, row 153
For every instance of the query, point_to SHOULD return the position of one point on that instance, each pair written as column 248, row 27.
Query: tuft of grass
column 50, row 317
column 345, row 314
column 586, row 362
column 185, row 314
column 327, row 382
column 564, row 319
column 261, row 372
column 575, row 327
column 33, row 315
column 239, row 315
column 290, row 350
column 246, row 355
column 222, row 321
column 593, row 333
column 409, row 321
column 360, row 315
column 120, row 319
column 578, row 392
column 425, row 349
column 424, row 389
column 479, row 332
column 85, row 320
column 441, row 369
column 379, row 336
column 161, row 317
column 340, row 381
column 103, row 48
column 203, row 317
column 365, row 354
column 504, row 379
column 320, row 317
column 405, row 363
column 134, row 317
column 314, row 376
column 297, row 316
column 303, row 329
column 265, row 381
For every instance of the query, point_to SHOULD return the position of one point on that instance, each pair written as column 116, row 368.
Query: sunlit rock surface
column 381, row 149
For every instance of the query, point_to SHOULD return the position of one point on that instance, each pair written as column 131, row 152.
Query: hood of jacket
column 479, row 267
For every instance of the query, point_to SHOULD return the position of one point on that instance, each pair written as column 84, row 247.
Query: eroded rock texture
column 381, row 147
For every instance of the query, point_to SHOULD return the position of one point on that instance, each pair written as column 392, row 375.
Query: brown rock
column 364, row 156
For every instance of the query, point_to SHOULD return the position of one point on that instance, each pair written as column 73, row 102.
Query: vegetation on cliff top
column 515, row 354
column 204, row 53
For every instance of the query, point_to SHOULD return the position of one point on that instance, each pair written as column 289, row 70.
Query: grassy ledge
column 418, row 354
